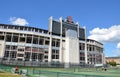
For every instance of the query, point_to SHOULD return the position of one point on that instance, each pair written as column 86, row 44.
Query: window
column 82, row 58
column 13, row 54
column 46, row 51
column 57, row 44
column 15, row 39
column 46, row 56
column 82, row 46
column 34, row 56
column 1, row 37
column 13, row 47
column 21, row 50
column 20, row 55
column 27, row 48
column 27, row 56
column 41, row 41
column 46, row 42
column 53, row 43
column 22, row 39
column 8, row 47
column 6, row 55
column 8, row 38
column 35, row 40
column 53, row 57
column 29, row 39
column 55, row 54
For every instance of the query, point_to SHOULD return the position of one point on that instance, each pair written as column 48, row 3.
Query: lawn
column 64, row 72
column 6, row 74
column 81, row 72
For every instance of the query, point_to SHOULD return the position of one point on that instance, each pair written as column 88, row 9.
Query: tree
column 113, row 63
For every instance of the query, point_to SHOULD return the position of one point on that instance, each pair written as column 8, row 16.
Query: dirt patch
column 2, row 72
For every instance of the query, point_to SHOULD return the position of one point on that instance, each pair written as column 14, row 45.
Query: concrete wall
column 2, row 48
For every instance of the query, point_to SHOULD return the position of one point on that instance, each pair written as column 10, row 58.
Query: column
column 86, row 58
column 60, row 52
column 50, row 44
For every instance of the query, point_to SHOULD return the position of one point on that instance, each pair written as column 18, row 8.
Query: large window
column 15, row 39
column 29, row 39
column 35, row 40
column 55, row 54
column 13, row 47
column 41, row 40
column 20, row 55
column 34, row 56
column 82, row 46
column 27, row 56
column 22, row 39
column 7, row 47
column 1, row 37
column 55, row 42
column 6, row 55
column 13, row 54
column 8, row 38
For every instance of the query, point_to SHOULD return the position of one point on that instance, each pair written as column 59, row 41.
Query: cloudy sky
column 101, row 17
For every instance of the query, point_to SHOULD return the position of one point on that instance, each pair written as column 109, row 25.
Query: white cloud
column 107, row 35
column 18, row 21
column 118, row 45
column 111, row 34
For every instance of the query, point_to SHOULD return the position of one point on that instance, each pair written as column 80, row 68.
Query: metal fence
column 53, row 72
column 43, row 64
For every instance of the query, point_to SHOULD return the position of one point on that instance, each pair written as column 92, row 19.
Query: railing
column 53, row 72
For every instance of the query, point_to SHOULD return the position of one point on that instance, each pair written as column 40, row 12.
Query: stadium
column 64, row 42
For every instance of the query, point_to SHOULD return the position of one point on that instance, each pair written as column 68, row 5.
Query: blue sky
column 101, row 17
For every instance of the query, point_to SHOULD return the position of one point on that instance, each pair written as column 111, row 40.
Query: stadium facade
column 64, row 42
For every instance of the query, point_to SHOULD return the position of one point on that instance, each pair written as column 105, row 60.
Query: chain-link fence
column 43, row 64
column 59, row 72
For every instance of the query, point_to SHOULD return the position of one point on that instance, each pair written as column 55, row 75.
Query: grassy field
column 74, row 72
column 64, row 72
column 6, row 74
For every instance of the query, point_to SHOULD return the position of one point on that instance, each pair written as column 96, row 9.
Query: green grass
column 6, row 74
column 69, row 72
column 92, row 72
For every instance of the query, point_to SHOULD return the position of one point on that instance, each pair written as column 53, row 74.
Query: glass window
column 6, row 55
column 20, row 55
column 29, row 39
column 1, row 37
column 13, row 47
column 15, row 39
column 41, row 41
column 22, row 39
column 13, row 54
column 53, row 43
column 35, row 40
column 27, row 56
column 57, row 44
column 46, row 42
column 8, row 38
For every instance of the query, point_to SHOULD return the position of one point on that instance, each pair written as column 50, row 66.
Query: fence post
column 57, row 74
column 27, row 70
column 74, row 69
column 39, row 72
column 33, row 70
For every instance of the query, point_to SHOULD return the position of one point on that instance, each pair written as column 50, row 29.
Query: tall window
column 35, row 40
column 8, row 38
column 22, row 39
column 55, row 54
column 41, row 40
column 29, row 40
column 15, row 39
